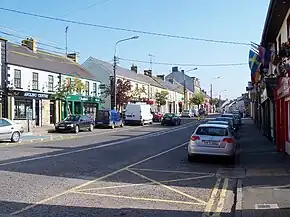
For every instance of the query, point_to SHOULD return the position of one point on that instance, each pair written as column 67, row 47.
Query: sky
column 226, row 20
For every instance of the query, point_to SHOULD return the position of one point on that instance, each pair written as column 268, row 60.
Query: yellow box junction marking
column 222, row 199
column 212, row 199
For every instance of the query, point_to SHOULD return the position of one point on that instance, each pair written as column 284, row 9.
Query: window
column 87, row 88
column 50, row 83
column 34, row 81
column 17, row 78
column 21, row 107
column 212, row 131
column 95, row 89
column 4, row 123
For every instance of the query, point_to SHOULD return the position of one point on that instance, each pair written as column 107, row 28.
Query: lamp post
column 184, row 84
column 114, row 70
column 218, row 77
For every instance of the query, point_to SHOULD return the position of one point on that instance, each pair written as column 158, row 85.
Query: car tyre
column 142, row 123
column 15, row 137
column 77, row 129
column 91, row 128
column 122, row 125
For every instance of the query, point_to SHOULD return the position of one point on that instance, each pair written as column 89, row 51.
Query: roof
column 213, row 125
column 179, row 77
column 126, row 73
column 168, row 85
column 276, row 14
column 41, row 60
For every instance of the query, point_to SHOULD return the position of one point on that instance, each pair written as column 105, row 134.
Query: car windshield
column 72, row 118
column 186, row 111
column 169, row 115
column 102, row 114
column 211, row 131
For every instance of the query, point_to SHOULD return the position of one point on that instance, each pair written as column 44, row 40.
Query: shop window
column 94, row 89
column 17, row 78
column 50, row 83
column 35, row 81
column 21, row 107
column 87, row 85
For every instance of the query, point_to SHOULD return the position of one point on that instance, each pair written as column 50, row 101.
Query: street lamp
column 114, row 68
column 184, row 84
column 218, row 77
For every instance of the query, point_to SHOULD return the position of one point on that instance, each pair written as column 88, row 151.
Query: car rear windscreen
column 212, row 131
column 227, row 116
column 102, row 115
column 169, row 115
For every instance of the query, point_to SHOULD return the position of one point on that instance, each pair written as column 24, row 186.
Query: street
column 136, row 171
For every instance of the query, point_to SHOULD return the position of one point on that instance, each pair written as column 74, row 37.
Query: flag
column 254, row 64
column 259, row 50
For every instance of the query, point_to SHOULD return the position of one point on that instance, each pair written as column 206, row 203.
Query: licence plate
column 99, row 122
column 61, row 127
column 207, row 142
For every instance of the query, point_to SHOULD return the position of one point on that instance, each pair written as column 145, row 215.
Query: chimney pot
column 175, row 69
column 148, row 73
column 162, row 77
column 30, row 43
column 134, row 68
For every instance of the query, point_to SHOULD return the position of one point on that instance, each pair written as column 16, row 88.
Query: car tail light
column 194, row 138
column 228, row 140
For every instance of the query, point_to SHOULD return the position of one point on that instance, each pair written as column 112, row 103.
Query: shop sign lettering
column 36, row 95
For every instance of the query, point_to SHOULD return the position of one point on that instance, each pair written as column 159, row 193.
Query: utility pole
column 114, row 83
column 184, row 89
column 66, row 29
column 211, row 97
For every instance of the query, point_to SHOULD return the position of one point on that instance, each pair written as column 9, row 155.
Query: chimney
column 148, row 73
column 134, row 68
column 30, row 43
column 161, row 77
column 73, row 56
column 175, row 69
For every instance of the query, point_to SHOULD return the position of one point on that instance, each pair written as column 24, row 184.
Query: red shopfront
column 282, row 114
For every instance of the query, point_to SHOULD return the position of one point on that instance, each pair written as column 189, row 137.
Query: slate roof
column 178, row 76
column 127, row 73
column 168, row 85
column 41, row 60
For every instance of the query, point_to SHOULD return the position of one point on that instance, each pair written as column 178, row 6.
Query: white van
column 138, row 114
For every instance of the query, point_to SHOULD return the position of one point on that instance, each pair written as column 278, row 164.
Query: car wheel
column 91, row 128
column 15, row 137
column 77, row 129
column 122, row 125
column 142, row 123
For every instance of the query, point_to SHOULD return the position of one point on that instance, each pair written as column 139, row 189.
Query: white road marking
column 96, row 147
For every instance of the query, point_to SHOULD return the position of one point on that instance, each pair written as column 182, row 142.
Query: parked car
column 10, row 130
column 223, row 123
column 171, row 119
column 187, row 113
column 75, row 123
column 229, row 115
column 108, row 118
column 138, row 114
column 213, row 140
column 157, row 116
column 229, row 120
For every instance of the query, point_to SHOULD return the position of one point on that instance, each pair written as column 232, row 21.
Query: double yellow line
column 208, row 211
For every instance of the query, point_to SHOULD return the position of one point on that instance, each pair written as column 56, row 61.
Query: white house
column 33, row 78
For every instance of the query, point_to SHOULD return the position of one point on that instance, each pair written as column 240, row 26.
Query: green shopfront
column 76, row 104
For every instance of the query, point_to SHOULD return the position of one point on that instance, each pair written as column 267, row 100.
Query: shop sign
column 82, row 98
column 284, row 87
column 32, row 94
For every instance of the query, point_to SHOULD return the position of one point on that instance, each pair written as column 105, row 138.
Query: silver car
column 10, row 130
column 212, row 139
column 223, row 123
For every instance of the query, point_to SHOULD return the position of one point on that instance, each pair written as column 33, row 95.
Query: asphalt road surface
column 133, row 172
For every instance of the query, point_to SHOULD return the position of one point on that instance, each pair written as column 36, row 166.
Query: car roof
column 227, row 114
column 213, row 125
column 217, row 122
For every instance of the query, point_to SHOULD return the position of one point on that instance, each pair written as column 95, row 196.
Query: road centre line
column 93, row 148
column 212, row 199
column 170, row 171
column 169, row 188
column 147, row 183
column 222, row 199
column 137, row 198
column 96, row 180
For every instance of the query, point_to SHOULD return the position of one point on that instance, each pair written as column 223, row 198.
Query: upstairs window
column 17, row 78
column 35, row 81
column 50, row 83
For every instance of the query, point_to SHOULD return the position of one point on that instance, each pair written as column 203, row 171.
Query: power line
column 184, row 64
column 123, row 29
column 86, row 8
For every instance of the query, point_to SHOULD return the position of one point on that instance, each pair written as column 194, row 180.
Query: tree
column 197, row 99
column 214, row 101
column 137, row 93
column 123, row 92
column 67, row 87
column 160, row 98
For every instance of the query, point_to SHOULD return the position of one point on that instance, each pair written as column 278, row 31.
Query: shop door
column 37, row 112
column 52, row 112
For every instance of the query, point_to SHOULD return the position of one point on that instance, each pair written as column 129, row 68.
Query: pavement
column 263, row 183
column 139, row 172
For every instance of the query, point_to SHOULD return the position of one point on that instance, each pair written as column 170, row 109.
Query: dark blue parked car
column 108, row 118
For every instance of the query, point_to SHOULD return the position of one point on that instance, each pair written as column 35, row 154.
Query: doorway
column 52, row 112
column 37, row 112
